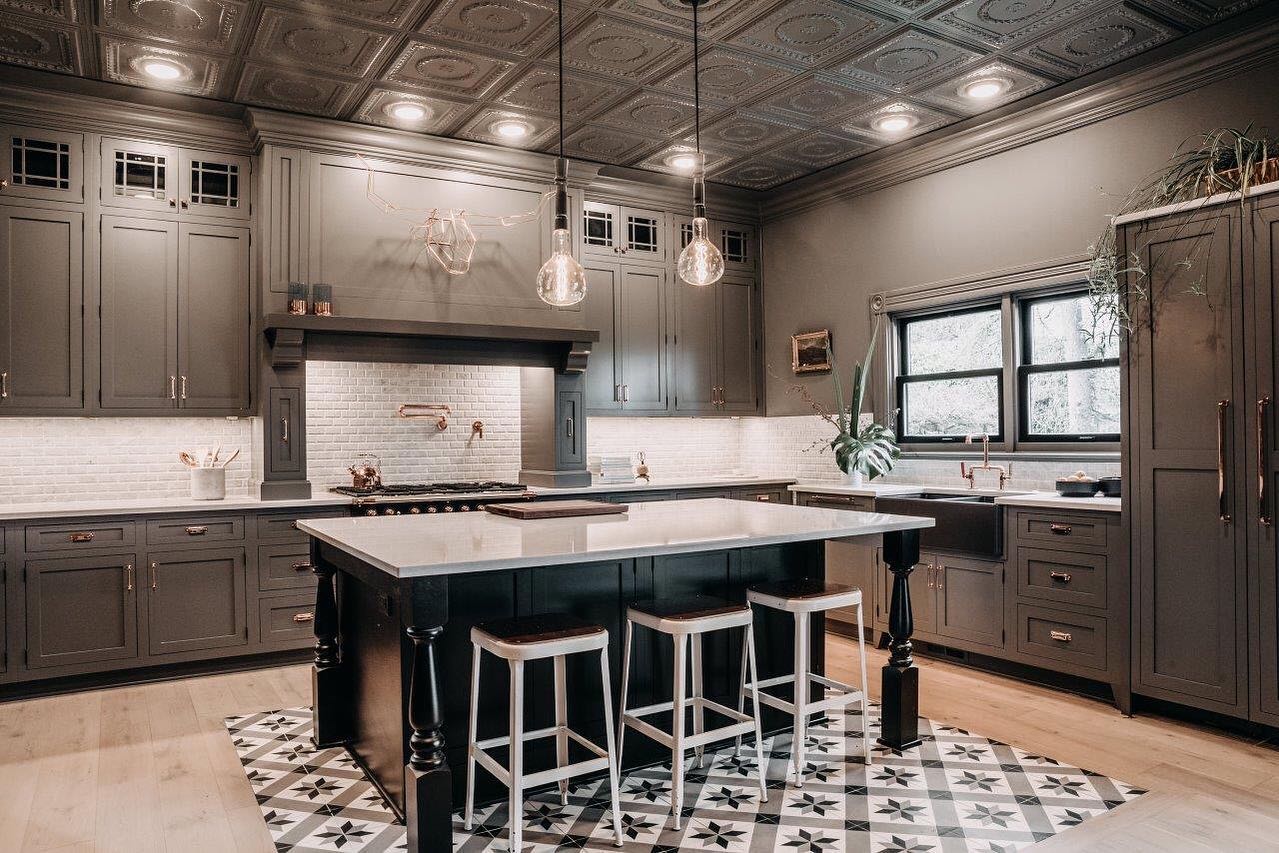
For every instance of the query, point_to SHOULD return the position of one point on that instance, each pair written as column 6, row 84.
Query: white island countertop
column 408, row 546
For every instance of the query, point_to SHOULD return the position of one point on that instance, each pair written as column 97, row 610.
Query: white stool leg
column 761, row 758
column 699, row 719
column 861, row 654
column 677, row 732
column 614, row 781
column 515, row 810
column 741, row 688
column 471, row 739
column 626, row 684
column 561, row 720
column 801, row 697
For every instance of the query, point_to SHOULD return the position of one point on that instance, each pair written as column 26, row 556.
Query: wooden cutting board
column 555, row 509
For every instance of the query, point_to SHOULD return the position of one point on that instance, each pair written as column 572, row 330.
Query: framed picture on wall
column 810, row 351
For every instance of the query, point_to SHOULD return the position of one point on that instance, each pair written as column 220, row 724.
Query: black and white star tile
column 957, row 792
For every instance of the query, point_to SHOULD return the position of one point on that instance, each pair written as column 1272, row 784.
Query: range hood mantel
column 295, row 338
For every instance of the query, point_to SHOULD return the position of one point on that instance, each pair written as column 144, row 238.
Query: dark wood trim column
column 428, row 781
column 329, row 693
column 900, row 685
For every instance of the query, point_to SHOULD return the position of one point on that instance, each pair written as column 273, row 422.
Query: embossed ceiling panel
column 788, row 86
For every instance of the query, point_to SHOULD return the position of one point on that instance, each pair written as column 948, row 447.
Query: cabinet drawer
column 1067, row 577
column 1055, row 635
column 857, row 502
column 773, row 496
column 287, row 620
column 197, row 530
column 1061, row 528
column 79, row 537
column 285, row 566
column 284, row 526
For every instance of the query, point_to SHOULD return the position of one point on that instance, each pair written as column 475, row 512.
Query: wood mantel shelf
column 294, row 338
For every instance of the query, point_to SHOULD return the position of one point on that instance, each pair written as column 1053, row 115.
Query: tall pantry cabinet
column 1200, row 455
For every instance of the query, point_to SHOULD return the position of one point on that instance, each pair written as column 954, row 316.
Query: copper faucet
column 969, row 472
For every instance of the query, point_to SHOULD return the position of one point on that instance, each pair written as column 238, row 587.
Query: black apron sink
column 966, row 524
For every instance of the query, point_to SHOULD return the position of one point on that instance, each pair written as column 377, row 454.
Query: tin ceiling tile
column 439, row 114
column 296, row 91
column 650, row 112
column 746, row 132
column 1000, row 22
column 620, row 48
column 38, row 44
column 301, row 40
column 919, row 119
column 907, row 60
column 811, row 31
column 203, row 24
column 662, row 160
column 387, row 13
column 515, row 26
column 485, row 127
column 757, row 173
column 1016, row 83
column 817, row 99
column 1101, row 39
column 819, row 149
column 431, row 65
column 537, row 90
column 727, row 76
column 713, row 16
column 123, row 62
column 61, row 10
column 605, row 144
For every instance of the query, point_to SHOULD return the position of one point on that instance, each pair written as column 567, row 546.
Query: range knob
column 465, row 507
column 448, row 508
column 370, row 512
column 389, row 511
column 415, row 510
column 431, row 509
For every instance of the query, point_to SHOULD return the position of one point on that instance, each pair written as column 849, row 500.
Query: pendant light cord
column 697, row 87
column 561, row 75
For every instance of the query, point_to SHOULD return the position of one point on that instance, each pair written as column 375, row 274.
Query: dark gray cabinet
column 1187, row 411
column 570, row 408
column 41, row 164
column 737, row 345
column 81, row 610
column 196, row 600
column 4, row 618
column 627, row 371
column 970, row 600
column 716, row 351
column 602, row 310
column 41, row 310
column 179, row 181
column 175, row 316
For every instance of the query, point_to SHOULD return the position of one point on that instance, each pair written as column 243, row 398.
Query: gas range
column 430, row 498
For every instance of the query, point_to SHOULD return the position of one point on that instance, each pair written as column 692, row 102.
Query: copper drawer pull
column 197, row 530
column 86, row 536
column 1060, row 636
column 764, row 498
column 1060, row 529
column 303, row 617
column 1064, row 577
column 128, row 577
column 301, row 567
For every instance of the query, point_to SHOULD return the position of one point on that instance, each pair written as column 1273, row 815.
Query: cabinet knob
column 184, row 204
column 4, row 185
column 173, row 202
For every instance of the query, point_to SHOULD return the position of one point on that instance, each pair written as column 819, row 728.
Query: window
column 1068, row 381
column 734, row 244
column 950, row 378
column 951, row 369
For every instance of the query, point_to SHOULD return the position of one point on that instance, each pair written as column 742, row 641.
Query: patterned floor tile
column 955, row 793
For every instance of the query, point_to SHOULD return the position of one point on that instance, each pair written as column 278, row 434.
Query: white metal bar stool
column 802, row 598
column 686, row 621
column 518, row 641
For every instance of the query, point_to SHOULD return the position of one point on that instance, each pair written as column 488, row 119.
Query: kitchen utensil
column 1072, row 488
column 366, row 472
column 188, row 459
column 231, row 458
column 1111, row 487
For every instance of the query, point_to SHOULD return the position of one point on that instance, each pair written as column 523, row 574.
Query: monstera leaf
column 872, row 449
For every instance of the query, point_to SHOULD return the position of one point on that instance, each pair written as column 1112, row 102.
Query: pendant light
column 561, row 281
column 700, row 263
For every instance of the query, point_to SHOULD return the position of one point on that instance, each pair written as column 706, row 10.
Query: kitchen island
column 398, row 595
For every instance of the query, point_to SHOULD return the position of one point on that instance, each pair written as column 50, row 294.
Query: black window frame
column 1027, row 368
column 901, row 378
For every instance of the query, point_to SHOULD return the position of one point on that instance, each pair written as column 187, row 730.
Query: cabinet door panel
column 139, row 175
column 139, row 313
column 600, row 311
column 601, row 230
column 737, row 345
column 643, row 235
column 284, row 420
column 213, row 305
column 41, row 309
column 570, row 428
column 81, row 610
column 1188, row 561
column 696, row 357
column 45, row 164
column 214, row 184
column 196, row 600
column 737, row 243
column 970, row 600
column 643, row 329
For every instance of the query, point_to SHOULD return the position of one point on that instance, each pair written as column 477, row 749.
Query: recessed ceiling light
column 985, row 89
column 682, row 162
column 894, row 123
column 512, row 129
column 161, row 70
column 406, row 111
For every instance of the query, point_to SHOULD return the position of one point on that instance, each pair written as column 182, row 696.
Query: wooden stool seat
column 538, row 637
column 804, row 595
column 693, row 614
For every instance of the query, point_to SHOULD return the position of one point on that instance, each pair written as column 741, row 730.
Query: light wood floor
column 150, row 768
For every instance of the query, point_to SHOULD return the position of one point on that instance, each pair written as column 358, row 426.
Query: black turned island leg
column 328, row 690
column 428, row 782
column 900, row 688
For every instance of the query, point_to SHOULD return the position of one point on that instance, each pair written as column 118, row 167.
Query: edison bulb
column 561, row 281
column 701, row 262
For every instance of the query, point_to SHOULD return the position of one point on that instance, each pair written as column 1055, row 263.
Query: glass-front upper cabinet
column 214, row 184
column 737, row 242
column 45, row 164
column 143, row 175
column 613, row 231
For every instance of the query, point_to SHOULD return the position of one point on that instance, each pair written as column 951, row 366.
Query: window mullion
column 1008, row 381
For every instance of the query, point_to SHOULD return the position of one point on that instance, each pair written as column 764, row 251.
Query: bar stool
column 687, row 620
column 802, row 598
column 518, row 641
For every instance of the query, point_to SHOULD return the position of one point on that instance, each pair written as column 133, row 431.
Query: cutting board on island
column 556, row 509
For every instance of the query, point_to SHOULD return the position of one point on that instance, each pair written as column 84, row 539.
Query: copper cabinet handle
column 617, row 393
column 128, row 577
column 184, row 204
column 82, row 536
column 1223, row 410
column 1063, row 577
column 183, row 392
column 155, row 582
column 1060, row 529
column 173, row 387
column 197, row 530
column 303, row 617
column 301, row 567
column 173, row 202
column 931, row 581
column 1061, row 636
column 941, row 572
column 1263, row 495
column 284, row 430
column 568, row 427
column 4, row 385
column 763, row 498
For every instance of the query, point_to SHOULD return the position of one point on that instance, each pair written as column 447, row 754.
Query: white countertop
column 1052, row 500
column 409, row 546
column 155, row 506
column 728, row 481
column 866, row 490
column 1045, row 500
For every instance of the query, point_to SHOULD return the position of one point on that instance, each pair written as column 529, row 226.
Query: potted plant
column 861, row 453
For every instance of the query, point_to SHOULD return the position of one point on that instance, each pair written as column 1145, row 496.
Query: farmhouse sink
column 966, row 524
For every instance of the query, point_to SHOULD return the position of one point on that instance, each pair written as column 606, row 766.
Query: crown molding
column 1181, row 66
column 972, row 288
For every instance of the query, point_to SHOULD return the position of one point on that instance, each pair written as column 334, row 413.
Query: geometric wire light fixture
column 561, row 281
column 700, row 263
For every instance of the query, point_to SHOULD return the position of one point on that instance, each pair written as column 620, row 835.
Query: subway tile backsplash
column 351, row 408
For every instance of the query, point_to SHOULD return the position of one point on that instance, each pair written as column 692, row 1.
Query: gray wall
column 1043, row 201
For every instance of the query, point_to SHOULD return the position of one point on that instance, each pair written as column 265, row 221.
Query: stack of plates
column 616, row 469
